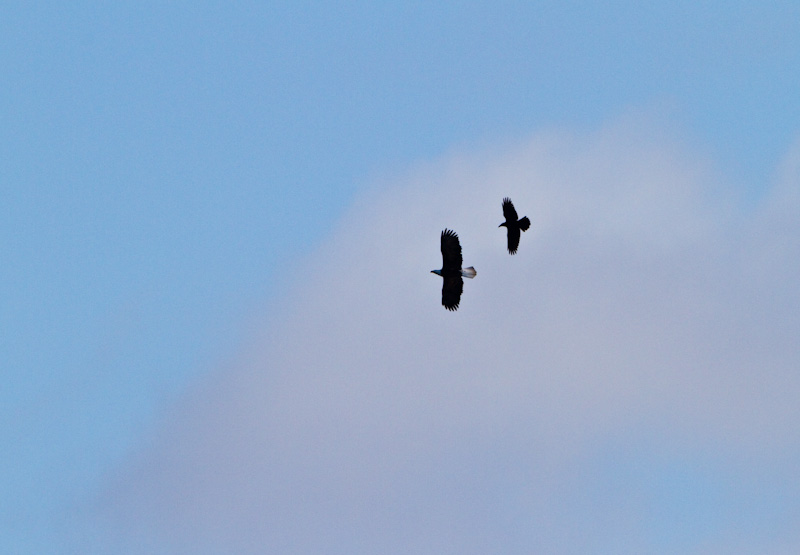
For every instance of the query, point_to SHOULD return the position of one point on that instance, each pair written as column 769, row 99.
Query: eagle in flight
column 452, row 272
column 513, row 225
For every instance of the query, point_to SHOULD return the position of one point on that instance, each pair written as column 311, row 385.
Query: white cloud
column 644, row 324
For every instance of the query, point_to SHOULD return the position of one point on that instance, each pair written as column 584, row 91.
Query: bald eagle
column 451, row 271
column 513, row 225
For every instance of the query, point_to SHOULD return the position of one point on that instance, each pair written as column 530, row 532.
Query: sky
column 220, row 330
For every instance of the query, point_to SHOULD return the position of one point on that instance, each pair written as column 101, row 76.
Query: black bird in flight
column 513, row 225
column 451, row 271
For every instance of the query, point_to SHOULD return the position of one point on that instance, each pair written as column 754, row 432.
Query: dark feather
column 452, row 286
column 508, row 210
column 451, row 253
column 513, row 239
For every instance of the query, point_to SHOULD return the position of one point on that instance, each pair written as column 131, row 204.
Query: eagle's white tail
column 468, row 272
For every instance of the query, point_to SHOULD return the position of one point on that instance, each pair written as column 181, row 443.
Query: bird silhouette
column 451, row 271
column 513, row 225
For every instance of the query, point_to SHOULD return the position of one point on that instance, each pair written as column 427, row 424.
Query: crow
column 451, row 271
column 513, row 225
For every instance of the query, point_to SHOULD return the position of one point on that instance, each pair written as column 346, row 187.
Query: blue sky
column 168, row 170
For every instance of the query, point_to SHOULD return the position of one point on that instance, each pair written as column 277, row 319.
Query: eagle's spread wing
column 513, row 239
column 451, row 255
column 451, row 291
column 508, row 210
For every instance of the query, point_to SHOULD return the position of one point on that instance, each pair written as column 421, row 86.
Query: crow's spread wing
column 451, row 253
column 508, row 210
column 513, row 239
column 451, row 291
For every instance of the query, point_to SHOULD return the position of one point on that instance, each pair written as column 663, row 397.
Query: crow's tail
column 524, row 223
